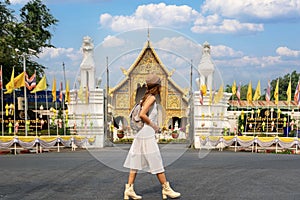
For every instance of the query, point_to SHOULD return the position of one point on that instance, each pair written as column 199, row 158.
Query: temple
column 173, row 101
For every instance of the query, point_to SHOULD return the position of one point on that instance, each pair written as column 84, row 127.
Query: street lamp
column 11, row 109
column 41, row 111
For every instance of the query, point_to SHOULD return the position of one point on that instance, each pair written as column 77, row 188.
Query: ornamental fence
column 253, row 143
column 40, row 143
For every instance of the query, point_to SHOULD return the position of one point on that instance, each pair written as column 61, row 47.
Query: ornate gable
column 147, row 62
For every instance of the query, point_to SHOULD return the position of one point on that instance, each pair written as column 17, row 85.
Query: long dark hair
column 151, row 91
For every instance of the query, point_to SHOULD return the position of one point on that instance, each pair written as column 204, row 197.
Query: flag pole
column 2, row 111
column 297, row 99
column 63, row 100
column 63, row 113
column 14, row 100
column 277, row 107
column 14, row 103
column 289, row 104
column 2, row 123
column 256, row 99
column 56, row 118
column 25, row 95
column 268, row 98
column 47, row 107
column 268, row 106
column 36, row 118
column 277, row 118
column 248, row 102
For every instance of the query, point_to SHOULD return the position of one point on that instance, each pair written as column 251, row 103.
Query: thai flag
column 201, row 97
column 30, row 82
column 297, row 94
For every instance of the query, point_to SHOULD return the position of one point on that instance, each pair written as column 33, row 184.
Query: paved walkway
column 204, row 175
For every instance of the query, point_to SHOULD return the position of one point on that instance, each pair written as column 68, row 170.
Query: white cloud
column 267, row 61
column 19, row 1
column 220, row 51
column 52, row 53
column 178, row 44
column 165, row 16
column 53, row 58
column 239, row 62
column 112, row 41
column 255, row 9
column 250, row 62
column 179, row 50
column 105, row 19
column 174, row 16
column 285, row 51
column 214, row 24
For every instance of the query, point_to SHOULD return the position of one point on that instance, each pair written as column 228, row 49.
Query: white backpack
column 136, row 123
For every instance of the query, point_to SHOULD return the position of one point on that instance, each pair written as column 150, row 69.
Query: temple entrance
column 120, row 122
column 178, row 123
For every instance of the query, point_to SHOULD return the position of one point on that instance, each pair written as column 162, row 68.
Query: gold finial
column 171, row 72
column 124, row 71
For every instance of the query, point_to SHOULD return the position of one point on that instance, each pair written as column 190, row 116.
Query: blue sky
column 251, row 40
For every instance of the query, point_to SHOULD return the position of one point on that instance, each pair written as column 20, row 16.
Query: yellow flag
column 10, row 85
column 276, row 92
column 289, row 92
column 249, row 93
column 67, row 92
column 42, row 85
column 203, row 90
column 233, row 88
column 219, row 95
column 54, row 90
column 19, row 81
column 257, row 92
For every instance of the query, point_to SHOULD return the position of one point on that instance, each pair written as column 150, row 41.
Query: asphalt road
column 197, row 175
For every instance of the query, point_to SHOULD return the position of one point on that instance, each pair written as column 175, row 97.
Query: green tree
column 17, row 37
column 282, row 89
column 243, row 91
column 283, row 85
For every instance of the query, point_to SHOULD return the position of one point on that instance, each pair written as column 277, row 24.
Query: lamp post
column 41, row 111
column 41, row 116
column 11, row 109
column 25, row 94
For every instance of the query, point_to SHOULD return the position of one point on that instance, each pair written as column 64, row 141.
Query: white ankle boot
column 167, row 191
column 130, row 193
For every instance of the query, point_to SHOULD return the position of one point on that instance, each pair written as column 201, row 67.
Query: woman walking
column 144, row 153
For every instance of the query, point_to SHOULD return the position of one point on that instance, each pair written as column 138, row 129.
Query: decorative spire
column 206, row 67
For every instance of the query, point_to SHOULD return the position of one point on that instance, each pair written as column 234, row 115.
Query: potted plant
column 175, row 134
column 120, row 133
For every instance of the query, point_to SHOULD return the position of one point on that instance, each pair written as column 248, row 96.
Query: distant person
column 144, row 153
